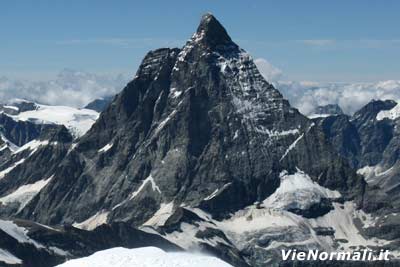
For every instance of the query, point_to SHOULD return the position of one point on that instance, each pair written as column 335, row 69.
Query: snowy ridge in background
column 78, row 121
column 392, row 114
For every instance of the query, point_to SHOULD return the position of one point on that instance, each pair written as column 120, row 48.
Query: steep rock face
column 382, row 171
column 29, row 168
column 370, row 142
column 16, row 106
column 362, row 139
column 21, row 132
column 343, row 135
column 29, row 153
column 375, row 134
column 330, row 109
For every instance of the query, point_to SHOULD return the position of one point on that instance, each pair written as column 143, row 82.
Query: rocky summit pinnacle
column 212, row 32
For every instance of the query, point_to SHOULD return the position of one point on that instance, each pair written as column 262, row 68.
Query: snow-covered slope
column 8, row 258
column 392, row 114
column 267, row 230
column 78, row 121
column 17, row 232
column 298, row 191
column 24, row 194
column 145, row 257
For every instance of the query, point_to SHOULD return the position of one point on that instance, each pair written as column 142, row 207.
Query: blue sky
column 339, row 41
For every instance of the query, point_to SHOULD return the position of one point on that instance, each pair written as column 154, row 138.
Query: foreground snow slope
column 145, row 257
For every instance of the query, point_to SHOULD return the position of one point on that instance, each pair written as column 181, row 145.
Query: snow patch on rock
column 18, row 233
column 91, row 223
column 7, row 170
column 24, row 194
column 276, row 133
column 8, row 144
column 8, row 258
column 32, row 145
column 298, row 191
column 314, row 116
column 161, row 216
column 253, row 219
column 105, row 148
column 217, row 191
column 293, row 145
column 371, row 173
column 150, row 180
column 341, row 219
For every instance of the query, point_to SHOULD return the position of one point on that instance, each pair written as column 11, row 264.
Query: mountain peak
column 212, row 32
column 330, row 109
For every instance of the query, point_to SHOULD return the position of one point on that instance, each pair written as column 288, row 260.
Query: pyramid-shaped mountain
column 197, row 129
column 195, row 122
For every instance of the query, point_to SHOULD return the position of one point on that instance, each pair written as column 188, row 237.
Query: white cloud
column 349, row 96
column 307, row 95
column 70, row 88
column 270, row 72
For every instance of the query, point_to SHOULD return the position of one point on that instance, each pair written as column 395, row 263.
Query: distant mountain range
column 197, row 152
column 99, row 104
